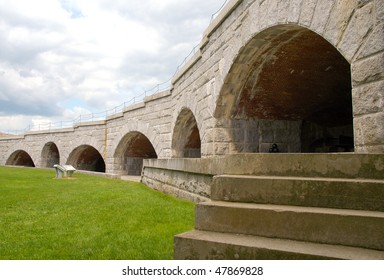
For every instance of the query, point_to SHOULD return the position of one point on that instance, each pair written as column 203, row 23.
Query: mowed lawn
column 86, row 217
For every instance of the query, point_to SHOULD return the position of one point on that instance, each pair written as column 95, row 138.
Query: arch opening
column 50, row 155
column 186, row 141
column 86, row 158
column 20, row 158
column 291, row 87
column 131, row 151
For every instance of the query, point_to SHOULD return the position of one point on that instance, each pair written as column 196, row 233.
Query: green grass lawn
column 86, row 217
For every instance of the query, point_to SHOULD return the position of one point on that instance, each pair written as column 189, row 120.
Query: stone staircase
column 332, row 209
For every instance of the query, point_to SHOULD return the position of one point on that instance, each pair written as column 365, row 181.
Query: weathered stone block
column 368, row 70
column 270, row 10
column 368, row 98
column 375, row 42
column 266, row 137
column 294, row 10
column 221, row 148
column 369, row 130
column 222, row 135
column 195, row 187
column 283, row 9
column 339, row 19
column 361, row 3
column 367, row 149
column 307, row 12
column 379, row 8
column 358, row 28
column 322, row 12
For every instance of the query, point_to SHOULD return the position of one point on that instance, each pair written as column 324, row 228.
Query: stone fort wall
column 307, row 75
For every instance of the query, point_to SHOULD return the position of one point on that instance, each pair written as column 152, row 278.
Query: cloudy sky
column 63, row 58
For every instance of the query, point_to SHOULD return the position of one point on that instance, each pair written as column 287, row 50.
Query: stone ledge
column 172, row 190
column 188, row 65
column 49, row 131
column 158, row 95
column 219, row 19
column 133, row 107
column 11, row 137
column 114, row 116
column 83, row 124
column 205, row 245
column 333, row 165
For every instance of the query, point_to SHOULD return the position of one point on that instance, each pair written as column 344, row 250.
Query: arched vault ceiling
column 290, row 74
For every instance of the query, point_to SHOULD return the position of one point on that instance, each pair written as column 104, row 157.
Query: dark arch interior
column 294, row 89
column 87, row 158
column 50, row 155
column 186, row 137
column 20, row 158
column 133, row 148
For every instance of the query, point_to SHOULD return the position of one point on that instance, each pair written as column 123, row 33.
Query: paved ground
column 131, row 178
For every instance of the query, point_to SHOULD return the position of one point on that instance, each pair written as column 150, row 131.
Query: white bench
column 64, row 170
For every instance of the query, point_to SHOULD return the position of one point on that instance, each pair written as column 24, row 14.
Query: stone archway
column 288, row 86
column 132, row 149
column 186, row 141
column 20, row 158
column 87, row 158
column 50, row 155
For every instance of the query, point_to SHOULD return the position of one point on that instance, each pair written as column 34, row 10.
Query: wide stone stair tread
column 198, row 244
column 291, row 206
column 328, row 165
column 312, row 224
column 301, row 178
column 343, row 193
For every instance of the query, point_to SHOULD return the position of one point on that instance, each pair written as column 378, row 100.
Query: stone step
column 358, row 194
column 205, row 245
column 354, row 228
column 344, row 165
column 334, row 165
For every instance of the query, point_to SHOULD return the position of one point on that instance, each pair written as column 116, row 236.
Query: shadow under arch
column 20, row 158
column 289, row 86
column 186, row 141
column 86, row 157
column 50, row 155
column 130, row 152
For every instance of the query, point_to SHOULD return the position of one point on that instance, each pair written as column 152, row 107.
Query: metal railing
column 99, row 116
column 196, row 48
column 82, row 118
column 219, row 10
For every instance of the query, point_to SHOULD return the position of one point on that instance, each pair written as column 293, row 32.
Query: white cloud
column 59, row 58
column 19, row 124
